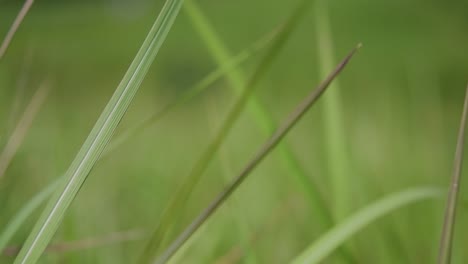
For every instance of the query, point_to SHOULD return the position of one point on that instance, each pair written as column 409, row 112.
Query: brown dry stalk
column 14, row 27
column 450, row 210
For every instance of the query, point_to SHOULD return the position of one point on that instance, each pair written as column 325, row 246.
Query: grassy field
column 387, row 125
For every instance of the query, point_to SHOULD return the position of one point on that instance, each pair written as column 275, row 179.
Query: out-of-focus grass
column 401, row 107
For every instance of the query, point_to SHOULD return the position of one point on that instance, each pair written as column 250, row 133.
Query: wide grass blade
column 279, row 134
column 166, row 224
column 14, row 27
column 18, row 134
column 263, row 119
column 100, row 135
column 445, row 250
column 324, row 246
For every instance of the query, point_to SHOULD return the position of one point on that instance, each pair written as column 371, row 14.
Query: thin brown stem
column 14, row 27
column 450, row 210
column 261, row 154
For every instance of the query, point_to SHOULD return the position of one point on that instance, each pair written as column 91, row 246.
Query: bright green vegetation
column 365, row 168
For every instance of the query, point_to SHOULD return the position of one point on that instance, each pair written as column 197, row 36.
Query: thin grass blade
column 14, row 27
column 166, row 223
column 289, row 123
column 445, row 250
column 324, row 246
column 100, row 135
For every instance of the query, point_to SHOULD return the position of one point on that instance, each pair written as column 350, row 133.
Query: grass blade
column 18, row 134
column 263, row 118
column 336, row 153
column 14, row 27
column 325, row 245
column 100, row 135
column 450, row 211
column 166, row 224
column 261, row 154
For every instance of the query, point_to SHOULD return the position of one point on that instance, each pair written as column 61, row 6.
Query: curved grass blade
column 18, row 134
column 263, row 119
column 166, row 224
column 14, row 27
column 331, row 240
column 100, row 135
column 451, row 207
column 37, row 200
column 282, row 130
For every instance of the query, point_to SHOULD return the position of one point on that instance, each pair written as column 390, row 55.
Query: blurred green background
column 401, row 99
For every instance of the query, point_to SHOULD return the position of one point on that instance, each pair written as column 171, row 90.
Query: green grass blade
column 336, row 152
column 263, row 118
column 166, row 223
column 14, row 27
column 279, row 134
column 331, row 240
column 100, row 135
column 451, row 208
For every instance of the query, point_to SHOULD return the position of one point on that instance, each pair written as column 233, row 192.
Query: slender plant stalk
column 445, row 250
column 14, row 27
column 336, row 152
column 263, row 118
column 322, row 247
column 166, row 224
column 15, row 223
column 100, row 135
column 289, row 123
column 21, row 129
